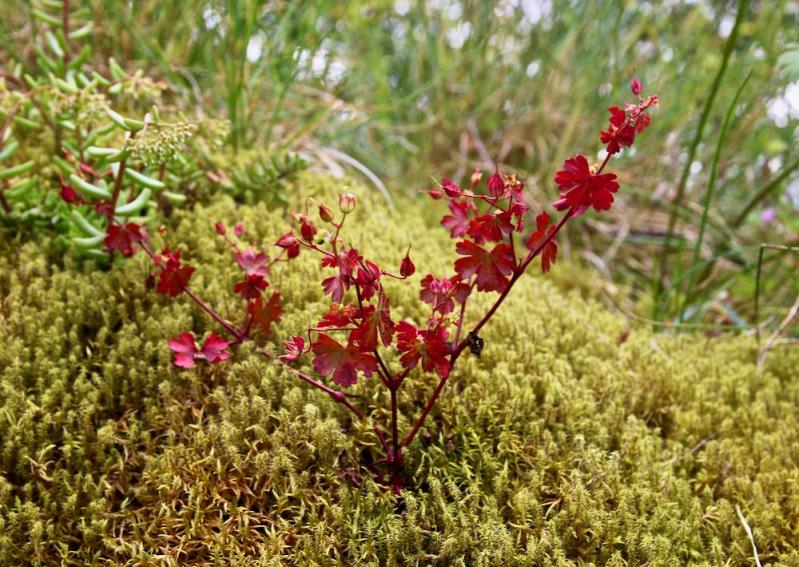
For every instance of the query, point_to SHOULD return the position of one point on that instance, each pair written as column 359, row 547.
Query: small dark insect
column 476, row 343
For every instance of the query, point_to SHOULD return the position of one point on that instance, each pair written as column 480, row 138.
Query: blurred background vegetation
column 400, row 91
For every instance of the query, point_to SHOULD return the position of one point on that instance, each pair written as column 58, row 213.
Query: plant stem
column 711, row 186
column 203, row 305
column 459, row 348
column 680, row 194
column 395, row 448
column 763, row 193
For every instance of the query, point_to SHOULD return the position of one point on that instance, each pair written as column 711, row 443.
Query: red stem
column 203, row 305
column 458, row 350
column 337, row 396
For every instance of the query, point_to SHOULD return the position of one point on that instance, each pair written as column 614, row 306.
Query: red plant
column 351, row 339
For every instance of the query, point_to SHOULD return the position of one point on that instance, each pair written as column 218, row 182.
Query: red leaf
column 619, row 133
column 295, row 348
column 123, row 238
column 338, row 316
column 375, row 323
column 582, row 188
column 341, row 363
column 174, row 282
column 490, row 227
column 214, row 349
column 368, row 280
column 458, row 221
column 264, row 313
column 491, row 267
column 438, row 293
column 184, row 348
column 549, row 253
column 428, row 346
column 253, row 263
column 290, row 244
column 337, row 285
column 186, row 352
column 104, row 208
column 251, row 286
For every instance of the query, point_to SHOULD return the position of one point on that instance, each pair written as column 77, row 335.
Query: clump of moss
column 559, row 445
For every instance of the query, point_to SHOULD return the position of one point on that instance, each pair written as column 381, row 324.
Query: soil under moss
column 559, row 445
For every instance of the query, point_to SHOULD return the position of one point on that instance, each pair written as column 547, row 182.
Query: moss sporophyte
column 357, row 336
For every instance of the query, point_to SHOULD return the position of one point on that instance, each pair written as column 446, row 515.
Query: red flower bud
column 496, row 185
column 325, row 214
column 435, row 194
column 69, row 195
column 450, row 188
column 477, row 175
column 636, row 86
column 406, row 266
column 308, row 231
column 220, row 228
column 346, row 202
column 238, row 230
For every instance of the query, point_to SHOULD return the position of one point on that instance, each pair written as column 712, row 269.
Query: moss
column 558, row 446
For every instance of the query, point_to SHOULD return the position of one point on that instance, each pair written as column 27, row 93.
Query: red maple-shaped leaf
column 186, row 353
column 251, row 286
column 174, row 277
column 294, row 349
column 582, row 188
column 428, row 346
column 491, row 267
column 619, row 133
column 253, row 263
column 345, row 262
column 438, row 293
column 123, row 238
column 490, row 227
column 215, row 349
column 375, row 324
column 184, row 350
column 458, row 221
column 368, row 280
column 341, row 363
column 549, row 252
column 264, row 313
column 338, row 316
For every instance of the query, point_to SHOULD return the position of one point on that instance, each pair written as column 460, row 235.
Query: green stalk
column 680, row 195
column 711, row 187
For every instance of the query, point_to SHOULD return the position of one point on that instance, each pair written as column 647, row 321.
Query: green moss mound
column 560, row 445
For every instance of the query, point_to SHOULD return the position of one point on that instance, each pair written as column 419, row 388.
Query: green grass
column 405, row 91
column 562, row 444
